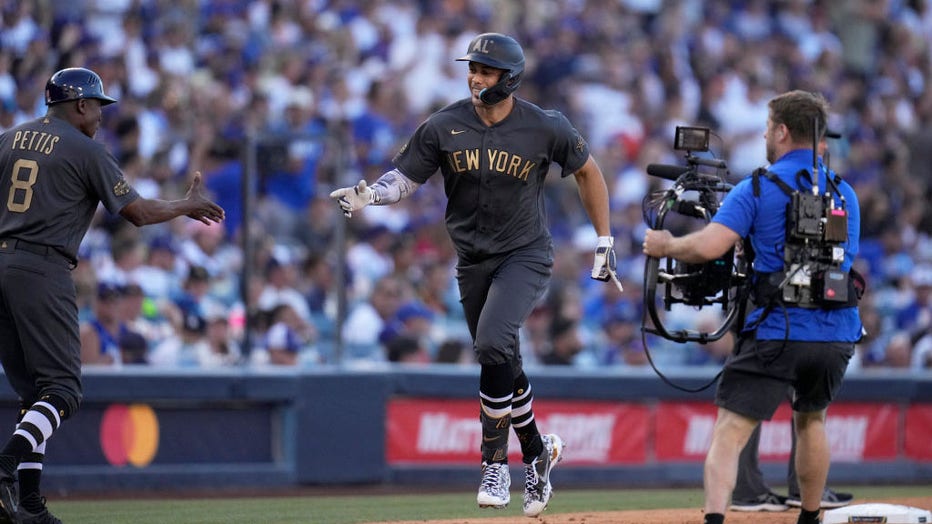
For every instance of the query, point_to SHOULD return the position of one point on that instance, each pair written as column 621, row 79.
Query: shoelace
column 532, row 483
column 491, row 480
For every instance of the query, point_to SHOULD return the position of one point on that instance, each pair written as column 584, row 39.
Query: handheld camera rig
column 720, row 282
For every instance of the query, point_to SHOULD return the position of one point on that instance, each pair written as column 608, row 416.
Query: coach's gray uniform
column 52, row 178
column 494, row 182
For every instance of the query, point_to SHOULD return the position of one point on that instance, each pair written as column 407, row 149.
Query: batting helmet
column 501, row 52
column 75, row 83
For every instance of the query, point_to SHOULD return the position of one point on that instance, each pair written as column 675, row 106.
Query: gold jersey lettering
column 526, row 170
column 497, row 160
column 509, row 164
column 456, row 164
column 466, row 160
column 50, row 144
column 40, row 142
column 472, row 159
column 513, row 165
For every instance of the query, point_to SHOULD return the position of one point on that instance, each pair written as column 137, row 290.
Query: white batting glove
column 354, row 198
column 603, row 266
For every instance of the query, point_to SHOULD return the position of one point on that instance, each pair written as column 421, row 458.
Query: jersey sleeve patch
column 121, row 188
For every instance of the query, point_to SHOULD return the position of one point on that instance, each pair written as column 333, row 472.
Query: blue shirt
column 764, row 218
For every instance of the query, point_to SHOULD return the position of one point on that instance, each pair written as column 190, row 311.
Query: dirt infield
column 657, row 516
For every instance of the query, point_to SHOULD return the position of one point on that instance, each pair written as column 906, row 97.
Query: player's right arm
column 391, row 187
column 144, row 211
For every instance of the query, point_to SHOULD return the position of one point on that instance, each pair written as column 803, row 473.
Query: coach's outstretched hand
column 603, row 266
column 203, row 210
column 353, row 198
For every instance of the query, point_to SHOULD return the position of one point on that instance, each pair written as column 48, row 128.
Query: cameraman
column 807, row 349
column 751, row 492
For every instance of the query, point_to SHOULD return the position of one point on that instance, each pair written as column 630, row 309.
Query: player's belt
column 32, row 247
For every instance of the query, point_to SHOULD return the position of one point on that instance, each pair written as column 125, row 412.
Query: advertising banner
column 433, row 431
column 856, row 432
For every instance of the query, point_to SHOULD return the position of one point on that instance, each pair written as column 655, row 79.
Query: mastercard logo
column 129, row 434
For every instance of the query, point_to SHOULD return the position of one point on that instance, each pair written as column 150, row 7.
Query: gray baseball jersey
column 52, row 177
column 493, row 176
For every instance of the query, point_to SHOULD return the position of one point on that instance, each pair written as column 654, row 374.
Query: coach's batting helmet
column 75, row 83
column 501, row 52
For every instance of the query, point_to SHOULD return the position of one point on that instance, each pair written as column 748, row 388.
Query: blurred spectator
column 412, row 320
column 454, row 351
column 916, row 315
column 318, row 290
column 207, row 248
column 289, row 187
column 288, row 337
column 224, row 348
column 922, row 354
column 622, row 345
column 194, row 292
column 281, row 275
column 155, row 320
column 370, row 259
column 134, row 348
column 187, row 348
column 100, row 334
column 368, row 318
column 318, row 227
column 565, row 343
column 406, row 349
column 161, row 273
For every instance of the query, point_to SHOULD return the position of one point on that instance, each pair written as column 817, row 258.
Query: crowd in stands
column 327, row 92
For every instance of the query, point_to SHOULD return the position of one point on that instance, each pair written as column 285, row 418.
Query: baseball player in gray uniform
column 53, row 175
column 494, row 151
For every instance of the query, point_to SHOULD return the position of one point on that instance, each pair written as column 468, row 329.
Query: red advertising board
column 433, row 431
column 919, row 432
column 856, row 432
column 445, row 431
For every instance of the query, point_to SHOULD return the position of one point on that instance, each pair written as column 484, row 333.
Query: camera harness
column 813, row 252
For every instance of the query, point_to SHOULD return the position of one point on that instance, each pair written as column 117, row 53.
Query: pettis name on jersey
column 40, row 142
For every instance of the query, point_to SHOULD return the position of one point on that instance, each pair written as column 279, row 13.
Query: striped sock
column 522, row 419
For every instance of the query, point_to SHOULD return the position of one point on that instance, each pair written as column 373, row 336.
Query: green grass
column 346, row 509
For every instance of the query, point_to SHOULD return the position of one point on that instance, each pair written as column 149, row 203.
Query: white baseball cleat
column 537, row 488
column 495, row 485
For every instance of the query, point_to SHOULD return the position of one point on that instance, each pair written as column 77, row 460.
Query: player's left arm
column 593, row 192
column 594, row 195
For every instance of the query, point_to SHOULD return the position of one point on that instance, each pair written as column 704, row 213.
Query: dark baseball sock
column 30, row 476
column 16, row 447
column 8, row 466
column 495, row 395
column 714, row 518
column 808, row 517
column 522, row 419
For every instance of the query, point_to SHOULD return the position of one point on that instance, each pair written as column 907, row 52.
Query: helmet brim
column 485, row 60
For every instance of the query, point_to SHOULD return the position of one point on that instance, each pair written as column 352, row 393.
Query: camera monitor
column 691, row 139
